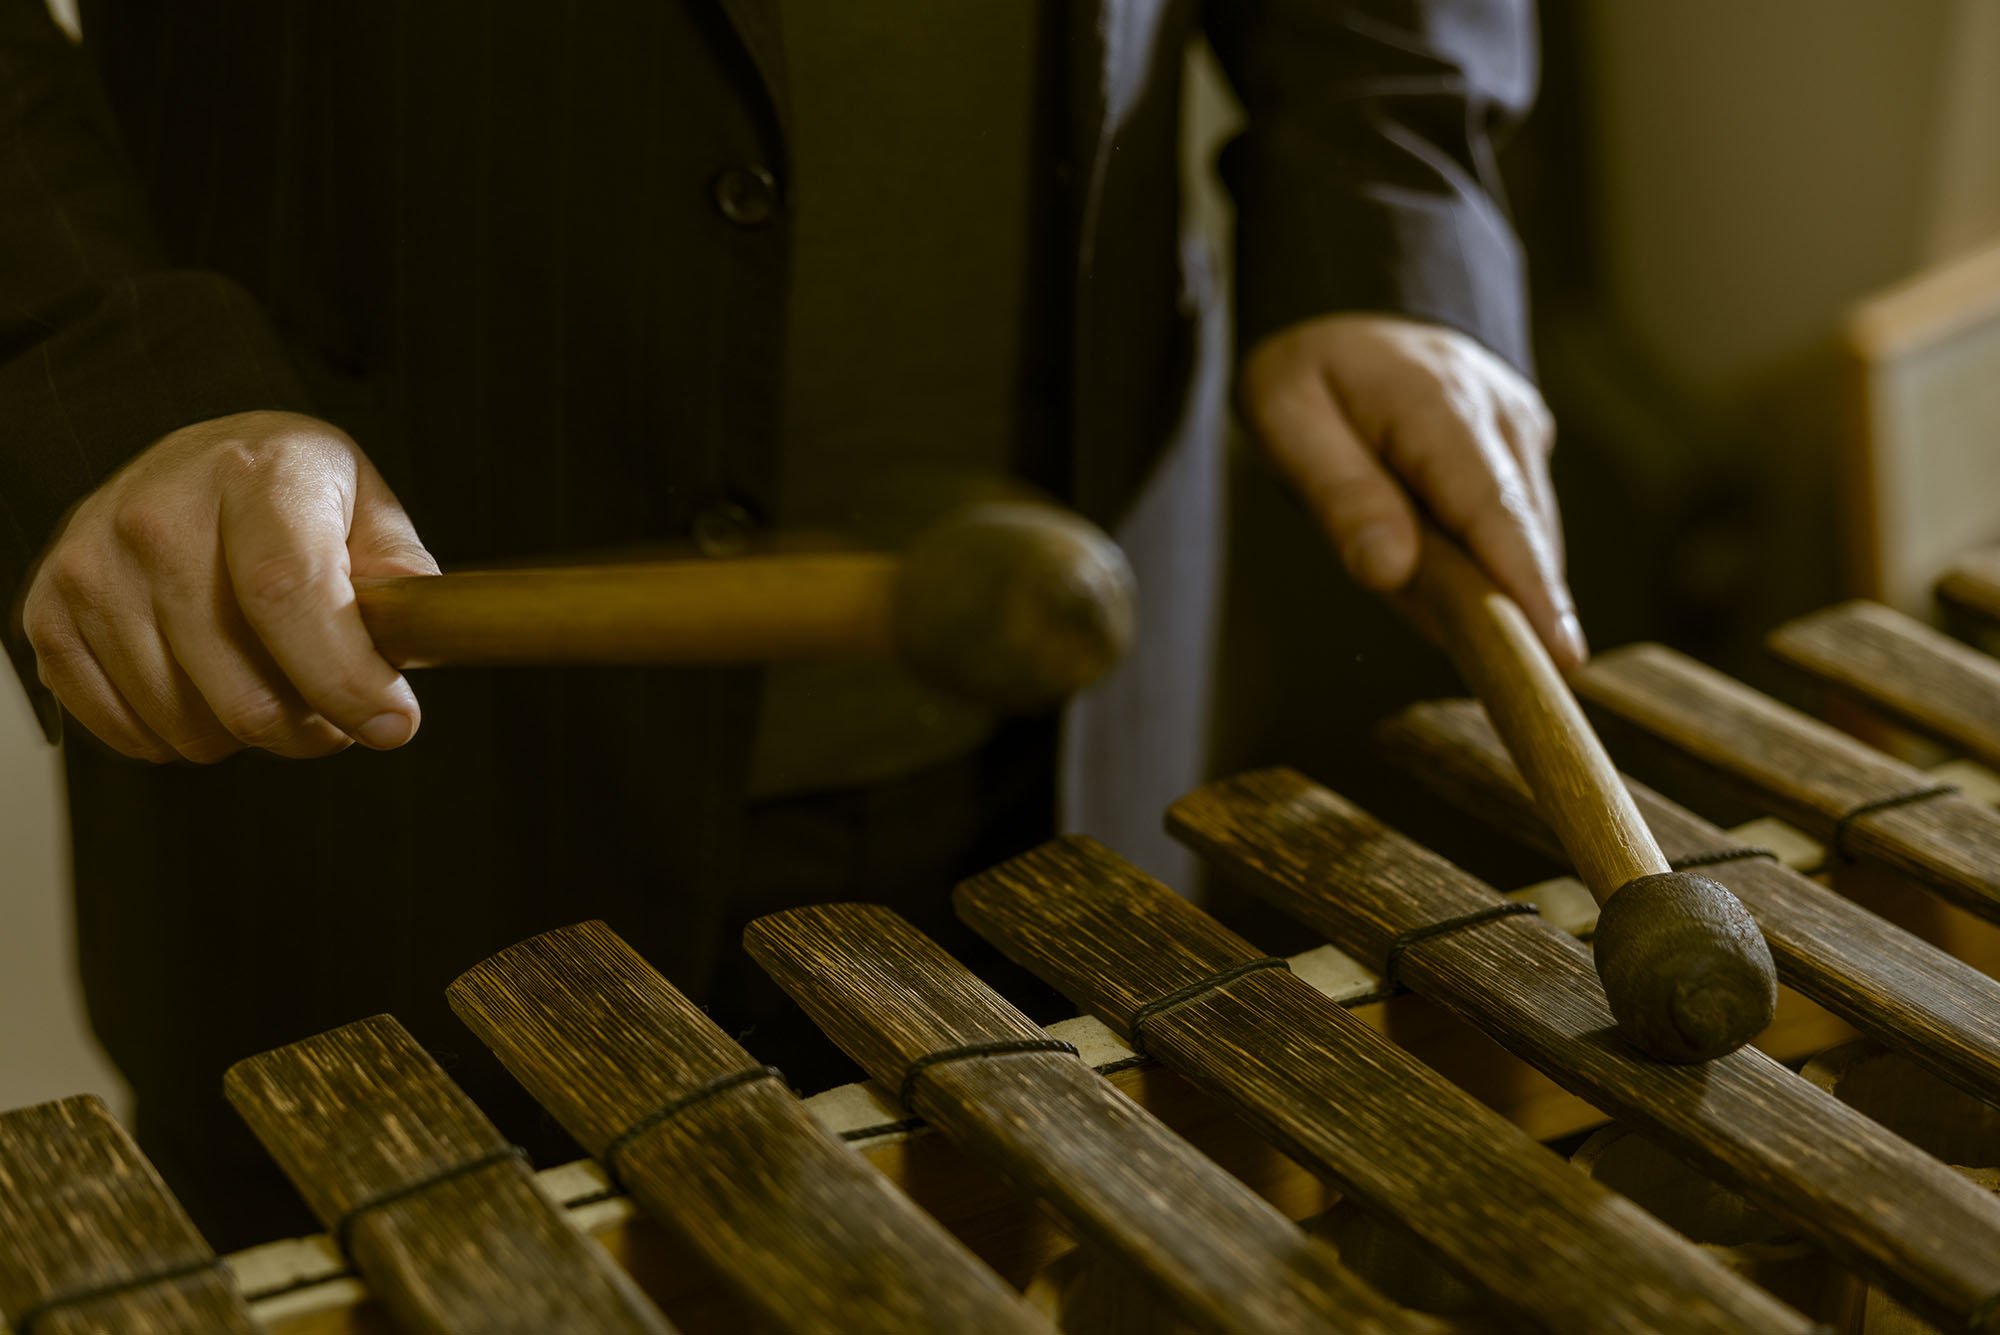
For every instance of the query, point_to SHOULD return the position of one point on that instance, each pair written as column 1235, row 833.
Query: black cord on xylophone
column 1717, row 857
column 615, row 1147
column 999, row 1047
column 24, row 1321
column 343, row 1227
column 1194, row 991
column 1392, row 954
column 1837, row 847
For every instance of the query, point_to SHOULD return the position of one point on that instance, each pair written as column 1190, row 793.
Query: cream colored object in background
column 1923, row 480
column 46, row 1051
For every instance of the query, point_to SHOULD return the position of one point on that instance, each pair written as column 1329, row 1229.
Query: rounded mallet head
column 1684, row 967
column 1013, row 605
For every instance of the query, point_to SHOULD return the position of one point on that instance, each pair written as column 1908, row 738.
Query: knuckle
column 279, row 585
column 146, row 528
column 69, row 576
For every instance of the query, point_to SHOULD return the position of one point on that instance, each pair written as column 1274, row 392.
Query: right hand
column 201, row 601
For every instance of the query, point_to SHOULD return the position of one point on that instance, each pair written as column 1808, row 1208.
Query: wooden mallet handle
column 1009, row 604
column 1684, row 967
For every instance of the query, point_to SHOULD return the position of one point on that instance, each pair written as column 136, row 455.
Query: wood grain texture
column 1498, row 653
column 1973, row 583
column 1682, row 964
column 1555, row 1250
column 1869, row 1197
column 800, row 1227
column 362, row 1112
column 1916, row 675
column 746, row 610
column 1878, row 977
column 1803, row 770
column 1220, row 1255
column 81, row 1210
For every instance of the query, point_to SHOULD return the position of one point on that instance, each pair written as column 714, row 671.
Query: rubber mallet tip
column 1684, row 967
column 1013, row 605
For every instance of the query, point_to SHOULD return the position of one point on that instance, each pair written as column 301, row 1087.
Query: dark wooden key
column 1864, row 804
column 439, row 1214
column 1545, row 1242
column 91, row 1240
column 922, row 1023
column 718, row 1149
column 1918, row 676
column 1937, row 1010
column 1873, row 1199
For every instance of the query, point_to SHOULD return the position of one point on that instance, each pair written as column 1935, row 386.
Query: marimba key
column 1548, row 1246
column 423, row 1193
column 1875, row 975
column 1918, row 676
column 1864, row 804
column 800, row 1227
column 92, row 1242
column 1872, row 1199
column 986, row 1075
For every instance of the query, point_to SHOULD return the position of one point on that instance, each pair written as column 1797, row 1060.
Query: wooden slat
column 82, row 1211
column 1973, row 583
column 1918, row 676
column 1559, row 1252
column 1804, row 770
column 799, row 1226
column 362, row 1114
column 1055, row 1128
column 1871, row 1198
column 1870, row 972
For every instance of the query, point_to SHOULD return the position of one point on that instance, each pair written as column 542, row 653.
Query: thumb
column 382, row 541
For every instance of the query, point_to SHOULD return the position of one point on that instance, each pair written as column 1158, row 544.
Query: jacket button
column 723, row 529
column 747, row 196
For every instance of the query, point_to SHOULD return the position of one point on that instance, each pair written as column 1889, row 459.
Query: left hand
column 1361, row 413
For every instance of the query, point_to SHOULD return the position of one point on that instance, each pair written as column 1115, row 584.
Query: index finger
column 1474, row 486
column 284, row 542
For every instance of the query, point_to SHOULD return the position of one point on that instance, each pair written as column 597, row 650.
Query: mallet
column 1008, row 604
column 1683, row 965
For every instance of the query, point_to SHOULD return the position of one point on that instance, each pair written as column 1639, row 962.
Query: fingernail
column 385, row 732
column 1571, row 631
column 1371, row 556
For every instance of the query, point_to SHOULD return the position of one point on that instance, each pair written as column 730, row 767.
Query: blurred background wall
column 1706, row 189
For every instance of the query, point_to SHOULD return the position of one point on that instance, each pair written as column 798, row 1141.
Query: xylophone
column 1141, row 1167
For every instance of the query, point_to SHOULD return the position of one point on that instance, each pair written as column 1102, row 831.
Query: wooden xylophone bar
column 1750, row 1122
column 1875, row 975
column 1866, row 805
column 988, row 1077
column 1550, row 1246
column 761, row 1195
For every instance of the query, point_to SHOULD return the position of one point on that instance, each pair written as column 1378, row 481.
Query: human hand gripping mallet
column 1683, row 964
column 1011, row 605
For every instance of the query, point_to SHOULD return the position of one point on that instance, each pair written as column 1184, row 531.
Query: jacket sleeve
column 1365, row 176
column 104, row 347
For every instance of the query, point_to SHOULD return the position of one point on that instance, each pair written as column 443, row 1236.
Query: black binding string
column 614, row 1148
column 1838, row 847
column 999, row 1047
column 1719, row 856
column 1392, row 955
column 1194, row 991
column 343, row 1227
column 24, row 1321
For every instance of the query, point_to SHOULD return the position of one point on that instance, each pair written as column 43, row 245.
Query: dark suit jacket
column 494, row 241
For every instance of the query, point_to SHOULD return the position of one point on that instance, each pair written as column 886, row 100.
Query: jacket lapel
column 756, row 24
